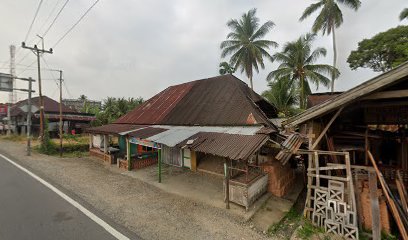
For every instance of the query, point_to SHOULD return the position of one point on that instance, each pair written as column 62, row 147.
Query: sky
column 132, row 48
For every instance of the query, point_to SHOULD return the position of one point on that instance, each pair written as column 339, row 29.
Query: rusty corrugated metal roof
column 115, row 129
column 147, row 132
column 318, row 98
column 50, row 105
column 218, row 101
column 233, row 146
column 156, row 108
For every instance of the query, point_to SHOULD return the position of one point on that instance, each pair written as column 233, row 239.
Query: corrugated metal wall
column 172, row 156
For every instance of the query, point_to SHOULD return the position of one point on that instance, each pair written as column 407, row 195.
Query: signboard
column 144, row 143
column 3, row 110
column 6, row 82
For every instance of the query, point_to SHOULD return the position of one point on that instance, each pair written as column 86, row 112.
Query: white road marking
column 81, row 208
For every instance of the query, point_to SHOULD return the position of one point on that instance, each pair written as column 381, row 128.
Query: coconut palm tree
column 282, row 95
column 297, row 62
column 246, row 44
column 225, row 68
column 404, row 14
column 329, row 18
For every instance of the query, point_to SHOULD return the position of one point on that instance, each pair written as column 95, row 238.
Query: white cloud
column 137, row 48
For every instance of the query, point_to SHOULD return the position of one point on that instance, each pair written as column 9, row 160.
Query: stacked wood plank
column 289, row 147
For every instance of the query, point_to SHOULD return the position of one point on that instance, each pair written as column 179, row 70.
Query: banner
column 6, row 82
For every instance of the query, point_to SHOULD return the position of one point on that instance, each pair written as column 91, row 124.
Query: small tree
column 382, row 52
column 225, row 68
column 282, row 95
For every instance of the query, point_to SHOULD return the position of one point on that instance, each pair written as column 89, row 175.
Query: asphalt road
column 29, row 210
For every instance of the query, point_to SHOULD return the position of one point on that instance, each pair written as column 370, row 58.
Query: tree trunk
column 250, row 82
column 334, row 57
column 302, row 93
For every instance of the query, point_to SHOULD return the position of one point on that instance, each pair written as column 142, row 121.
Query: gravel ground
column 134, row 204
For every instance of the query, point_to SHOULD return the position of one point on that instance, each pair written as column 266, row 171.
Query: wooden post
column 129, row 162
column 306, row 212
column 193, row 157
column 159, row 162
column 105, row 144
column 90, row 141
column 402, row 191
column 226, row 174
column 366, row 146
column 391, row 202
column 375, row 206
column 358, row 203
column 326, row 128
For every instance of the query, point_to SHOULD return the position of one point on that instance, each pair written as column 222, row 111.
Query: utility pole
column 30, row 87
column 37, row 52
column 11, row 94
column 60, row 111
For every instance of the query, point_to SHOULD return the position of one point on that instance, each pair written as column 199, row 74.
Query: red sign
column 3, row 109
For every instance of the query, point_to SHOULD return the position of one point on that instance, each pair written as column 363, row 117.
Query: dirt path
column 142, row 208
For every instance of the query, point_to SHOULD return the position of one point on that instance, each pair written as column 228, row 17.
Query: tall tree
column 382, row 52
column 246, row 44
column 329, row 18
column 404, row 14
column 297, row 63
column 282, row 95
column 225, row 68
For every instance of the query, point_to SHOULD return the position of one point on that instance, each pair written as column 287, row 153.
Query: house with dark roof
column 202, row 125
column 71, row 119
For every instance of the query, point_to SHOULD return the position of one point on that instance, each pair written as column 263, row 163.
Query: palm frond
column 353, row 4
column 404, row 14
column 311, row 9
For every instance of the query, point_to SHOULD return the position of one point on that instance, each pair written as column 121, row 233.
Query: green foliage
column 225, row 68
column 246, row 45
column 308, row 230
column 282, row 95
column 14, row 138
column 297, row 63
column 404, row 14
column 47, row 146
column 291, row 219
column 330, row 15
column 114, row 108
column 382, row 52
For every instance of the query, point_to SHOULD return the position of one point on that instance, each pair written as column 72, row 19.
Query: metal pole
column 159, row 163
column 29, row 117
column 60, row 112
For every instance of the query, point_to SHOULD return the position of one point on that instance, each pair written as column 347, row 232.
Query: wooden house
column 200, row 125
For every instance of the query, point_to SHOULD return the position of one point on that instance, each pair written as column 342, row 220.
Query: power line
column 48, row 29
column 55, row 18
column 51, row 13
column 73, row 26
column 32, row 22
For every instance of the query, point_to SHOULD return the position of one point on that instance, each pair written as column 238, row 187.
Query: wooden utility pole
column 37, row 52
column 60, row 111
